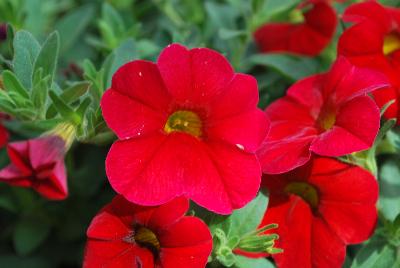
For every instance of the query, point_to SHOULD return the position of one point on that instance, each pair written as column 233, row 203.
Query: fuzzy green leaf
column 48, row 56
column 26, row 50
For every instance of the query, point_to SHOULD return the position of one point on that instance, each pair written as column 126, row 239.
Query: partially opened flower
column 314, row 24
column 188, row 126
column 374, row 42
column 320, row 208
column 39, row 163
column 327, row 114
column 127, row 235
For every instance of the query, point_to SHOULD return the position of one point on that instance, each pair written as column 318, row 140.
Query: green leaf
column 72, row 25
column 244, row 262
column 18, row 262
column 247, row 219
column 125, row 53
column 26, row 50
column 69, row 95
column 64, row 109
column 389, row 187
column 28, row 236
column 292, row 67
column 75, row 91
column 12, row 84
column 375, row 254
column 48, row 56
column 113, row 18
column 39, row 92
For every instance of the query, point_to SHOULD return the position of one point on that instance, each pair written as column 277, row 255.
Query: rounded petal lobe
column 194, row 76
column 129, row 118
column 187, row 243
column 141, row 81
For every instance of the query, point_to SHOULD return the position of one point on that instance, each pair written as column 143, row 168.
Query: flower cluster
column 188, row 128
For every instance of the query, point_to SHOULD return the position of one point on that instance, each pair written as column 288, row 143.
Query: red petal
column 285, row 155
column 115, row 255
column 385, row 95
column 46, row 150
column 345, row 81
column 129, row 118
column 309, row 38
column 108, row 227
column 194, row 76
column 327, row 248
column 355, row 129
column 348, row 195
column 11, row 173
column 294, row 218
column 19, row 156
column 235, row 182
column 245, row 130
column 363, row 39
column 167, row 214
column 140, row 170
column 241, row 95
column 163, row 167
column 370, row 10
column 187, row 243
column 141, row 81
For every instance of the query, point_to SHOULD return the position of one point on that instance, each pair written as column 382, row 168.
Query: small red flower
column 127, row 235
column 188, row 126
column 374, row 42
column 320, row 208
column 39, row 164
column 327, row 114
column 314, row 31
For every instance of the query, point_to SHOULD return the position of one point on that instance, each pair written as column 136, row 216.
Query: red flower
column 188, row 126
column 374, row 42
column 128, row 235
column 327, row 114
column 39, row 164
column 320, row 208
column 310, row 36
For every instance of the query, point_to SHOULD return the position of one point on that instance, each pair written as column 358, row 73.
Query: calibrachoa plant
column 190, row 134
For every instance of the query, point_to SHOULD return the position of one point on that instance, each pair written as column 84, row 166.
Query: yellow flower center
column 327, row 120
column 304, row 190
column 146, row 238
column 391, row 43
column 184, row 121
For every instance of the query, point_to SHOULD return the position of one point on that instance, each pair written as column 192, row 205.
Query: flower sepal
column 257, row 241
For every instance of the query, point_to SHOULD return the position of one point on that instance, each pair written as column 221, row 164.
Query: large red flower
column 310, row 36
column 188, row 126
column 320, row 208
column 327, row 114
column 39, row 164
column 127, row 235
column 374, row 42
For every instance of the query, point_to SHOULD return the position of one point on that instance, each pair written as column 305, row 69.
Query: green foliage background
column 58, row 60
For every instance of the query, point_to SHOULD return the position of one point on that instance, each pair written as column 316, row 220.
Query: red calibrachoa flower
column 188, row 126
column 327, row 114
column 374, row 42
column 39, row 164
column 313, row 28
column 320, row 208
column 127, row 235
